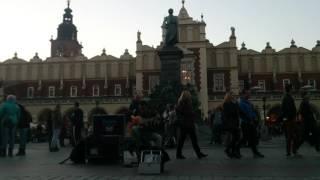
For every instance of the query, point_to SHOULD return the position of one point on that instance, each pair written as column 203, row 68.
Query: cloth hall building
column 68, row 75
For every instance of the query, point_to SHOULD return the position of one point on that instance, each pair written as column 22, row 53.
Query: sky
column 27, row 25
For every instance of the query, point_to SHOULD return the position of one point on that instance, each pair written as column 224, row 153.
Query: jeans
column 8, row 137
column 23, row 132
column 55, row 138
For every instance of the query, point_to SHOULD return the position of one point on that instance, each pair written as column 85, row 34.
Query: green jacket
column 9, row 113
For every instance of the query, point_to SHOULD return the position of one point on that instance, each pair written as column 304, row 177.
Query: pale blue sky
column 27, row 25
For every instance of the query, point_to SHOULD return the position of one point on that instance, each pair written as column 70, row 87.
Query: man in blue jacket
column 249, row 123
column 9, row 115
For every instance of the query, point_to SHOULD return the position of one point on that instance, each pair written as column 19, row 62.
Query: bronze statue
column 171, row 25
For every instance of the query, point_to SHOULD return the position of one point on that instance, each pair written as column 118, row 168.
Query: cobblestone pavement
column 39, row 164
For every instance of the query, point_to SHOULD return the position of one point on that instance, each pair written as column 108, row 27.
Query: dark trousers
column 76, row 135
column 233, row 144
column 292, row 134
column 250, row 135
column 50, row 134
column 308, row 133
column 184, row 131
column 62, row 136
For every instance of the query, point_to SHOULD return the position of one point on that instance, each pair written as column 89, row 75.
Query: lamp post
column 264, row 99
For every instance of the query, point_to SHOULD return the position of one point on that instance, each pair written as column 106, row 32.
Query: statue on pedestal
column 171, row 25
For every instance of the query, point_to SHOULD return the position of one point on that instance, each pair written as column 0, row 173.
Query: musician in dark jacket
column 186, row 117
column 231, row 125
column 289, row 113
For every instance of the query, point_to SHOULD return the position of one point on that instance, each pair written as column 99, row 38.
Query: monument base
column 170, row 58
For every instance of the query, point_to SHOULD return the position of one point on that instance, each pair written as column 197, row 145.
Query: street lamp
column 264, row 99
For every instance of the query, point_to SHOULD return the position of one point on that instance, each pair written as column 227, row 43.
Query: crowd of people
column 15, row 122
column 13, row 118
column 234, row 123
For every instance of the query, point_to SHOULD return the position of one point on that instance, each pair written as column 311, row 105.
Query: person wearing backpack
column 10, row 116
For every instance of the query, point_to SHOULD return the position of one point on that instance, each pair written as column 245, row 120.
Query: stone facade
column 214, row 69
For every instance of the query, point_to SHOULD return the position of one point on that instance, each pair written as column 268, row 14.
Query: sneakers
column 297, row 155
column 180, row 157
column 10, row 152
column 258, row 155
column 21, row 152
column 228, row 153
column 201, row 155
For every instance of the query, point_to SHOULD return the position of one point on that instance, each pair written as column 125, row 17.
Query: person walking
column 49, row 128
column 57, row 124
column 9, row 116
column 249, row 123
column 23, row 129
column 231, row 125
column 289, row 113
column 310, row 131
column 186, row 117
column 77, row 123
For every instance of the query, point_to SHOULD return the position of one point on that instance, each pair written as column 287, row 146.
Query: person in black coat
column 311, row 133
column 289, row 113
column 186, row 117
column 231, row 125
column 77, row 123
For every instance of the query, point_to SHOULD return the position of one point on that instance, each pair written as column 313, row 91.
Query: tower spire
column 68, row 2
column 183, row 2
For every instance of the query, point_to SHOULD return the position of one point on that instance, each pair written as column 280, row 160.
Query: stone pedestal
column 170, row 58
